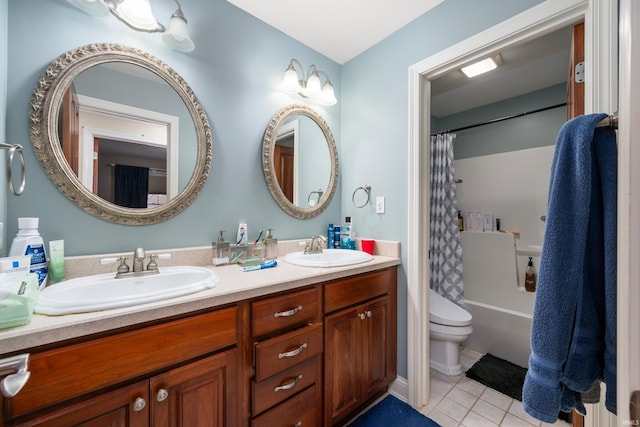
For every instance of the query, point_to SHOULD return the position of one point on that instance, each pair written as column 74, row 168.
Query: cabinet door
column 375, row 345
column 343, row 364
column 124, row 407
column 203, row 393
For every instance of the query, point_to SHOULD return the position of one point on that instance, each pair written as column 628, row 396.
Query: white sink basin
column 103, row 291
column 328, row 258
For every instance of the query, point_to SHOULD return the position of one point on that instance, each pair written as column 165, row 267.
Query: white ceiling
column 535, row 65
column 338, row 29
column 356, row 25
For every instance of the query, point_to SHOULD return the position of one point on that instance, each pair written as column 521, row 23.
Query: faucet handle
column 153, row 265
column 123, row 267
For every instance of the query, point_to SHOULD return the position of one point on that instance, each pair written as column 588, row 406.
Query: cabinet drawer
column 287, row 350
column 354, row 290
column 283, row 312
column 60, row 374
column 300, row 410
column 285, row 384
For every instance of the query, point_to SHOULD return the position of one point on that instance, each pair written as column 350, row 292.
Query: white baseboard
column 399, row 388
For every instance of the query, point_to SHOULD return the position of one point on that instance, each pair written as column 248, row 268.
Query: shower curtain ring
column 367, row 189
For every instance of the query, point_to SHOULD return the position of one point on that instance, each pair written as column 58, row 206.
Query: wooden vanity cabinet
column 286, row 389
column 360, row 342
column 177, row 373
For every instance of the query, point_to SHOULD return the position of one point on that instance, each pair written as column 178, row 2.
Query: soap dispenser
column 221, row 250
column 530, row 277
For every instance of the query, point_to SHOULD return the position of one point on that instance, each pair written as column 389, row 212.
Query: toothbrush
column 259, row 236
column 241, row 237
column 267, row 236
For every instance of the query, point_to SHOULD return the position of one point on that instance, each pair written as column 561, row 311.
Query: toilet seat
column 444, row 312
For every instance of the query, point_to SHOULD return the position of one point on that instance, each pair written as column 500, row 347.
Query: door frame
column 600, row 18
column 628, row 209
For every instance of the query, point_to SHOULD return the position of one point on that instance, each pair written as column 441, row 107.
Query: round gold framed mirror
column 300, row 161
column 120, row 133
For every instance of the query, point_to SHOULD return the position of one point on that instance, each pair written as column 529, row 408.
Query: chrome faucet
column 138, row 260
column 314, row 246
column 138, row 264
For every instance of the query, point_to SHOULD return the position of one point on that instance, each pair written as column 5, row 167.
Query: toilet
column 449, row 325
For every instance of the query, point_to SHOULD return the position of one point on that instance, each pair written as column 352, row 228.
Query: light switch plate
column 380, row 204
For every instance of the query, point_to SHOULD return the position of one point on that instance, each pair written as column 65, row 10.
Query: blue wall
column 527, row 131
column 375, row 120
column 235, row 71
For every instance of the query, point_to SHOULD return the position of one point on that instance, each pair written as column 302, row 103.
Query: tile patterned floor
column 461, row 402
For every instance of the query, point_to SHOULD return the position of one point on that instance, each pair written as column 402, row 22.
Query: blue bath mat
column 391, row 411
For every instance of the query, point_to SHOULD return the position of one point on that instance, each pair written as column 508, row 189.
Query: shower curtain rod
column 501, row 119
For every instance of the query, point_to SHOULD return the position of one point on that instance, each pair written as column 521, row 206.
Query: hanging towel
column 573, row 334
column 131, row 186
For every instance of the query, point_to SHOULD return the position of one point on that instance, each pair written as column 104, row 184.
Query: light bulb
column 177, row 36
column 290, row 83
column 328, row 96
column 313, row 88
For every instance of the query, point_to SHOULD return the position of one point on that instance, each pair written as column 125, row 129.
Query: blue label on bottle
column 38, row 262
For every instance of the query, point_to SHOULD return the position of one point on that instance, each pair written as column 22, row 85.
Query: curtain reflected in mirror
column 104, row 97
column 102, row 127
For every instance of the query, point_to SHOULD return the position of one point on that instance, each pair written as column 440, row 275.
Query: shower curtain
column 445, row 260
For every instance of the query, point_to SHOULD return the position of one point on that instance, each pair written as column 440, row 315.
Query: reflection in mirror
column 302, row 171
column 300, row 161
column 123, row 141
column 117, row 130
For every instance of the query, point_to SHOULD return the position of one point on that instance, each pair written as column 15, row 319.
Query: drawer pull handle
column 162, row 395
column 293, row 353
column 139, row 404
column 288, row 386
column 288, row 313
column 298, row 424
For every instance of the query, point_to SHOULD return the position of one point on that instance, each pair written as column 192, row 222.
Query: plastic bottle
column 29, row 242
column 336, row 236
column 530, row 277
column 460, row 221
column 345, row 242
column 330, row 236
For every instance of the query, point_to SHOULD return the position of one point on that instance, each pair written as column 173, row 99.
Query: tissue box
column 18, row 297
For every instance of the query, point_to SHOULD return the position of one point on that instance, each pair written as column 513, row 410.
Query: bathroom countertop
column 235, row 285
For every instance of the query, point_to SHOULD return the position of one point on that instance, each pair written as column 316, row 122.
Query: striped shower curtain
column 446, row 249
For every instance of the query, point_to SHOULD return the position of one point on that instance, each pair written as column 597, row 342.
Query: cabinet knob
column 289, row 385
column 162, row 395
column 288, row 313
column 139, row 404
column 361, row 316
column 293, row 353
column 298, row 424
column 369, row 313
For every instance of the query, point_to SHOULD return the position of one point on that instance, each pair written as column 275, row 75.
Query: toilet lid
column 445, row 312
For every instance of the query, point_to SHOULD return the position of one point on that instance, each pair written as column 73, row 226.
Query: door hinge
column 579, row 74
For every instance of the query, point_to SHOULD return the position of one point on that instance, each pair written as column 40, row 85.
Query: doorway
column 600, row 37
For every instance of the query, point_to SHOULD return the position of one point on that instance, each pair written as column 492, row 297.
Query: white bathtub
column 501, row 310
column 499, row 331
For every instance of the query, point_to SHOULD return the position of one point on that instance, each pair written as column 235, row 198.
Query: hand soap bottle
column 29, row 242
column 530, row 277
column 222, row 250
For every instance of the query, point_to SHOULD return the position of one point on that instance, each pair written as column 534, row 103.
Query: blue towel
column 573, row 335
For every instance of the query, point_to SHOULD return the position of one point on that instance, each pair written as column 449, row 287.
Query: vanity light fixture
column 309, row 86
column 137, row 14
column 482, row 67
